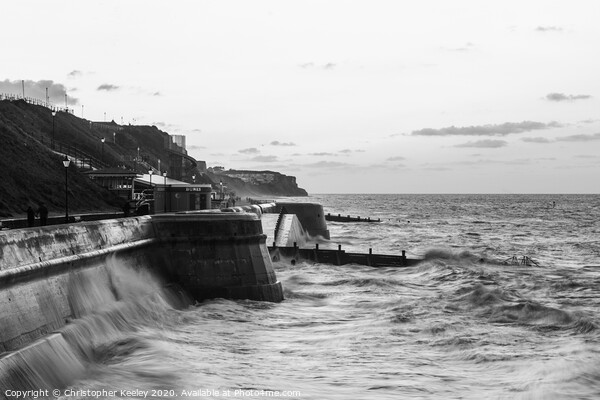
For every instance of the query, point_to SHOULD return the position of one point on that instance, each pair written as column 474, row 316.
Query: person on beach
column 43, row 213
column 30, row 217
column 126, row 208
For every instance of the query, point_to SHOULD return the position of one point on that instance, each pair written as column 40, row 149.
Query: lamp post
column 194, row 178
column 165, row 192
column 221, row 184
column 66, row 163
column 53, row 115
column 102, row 159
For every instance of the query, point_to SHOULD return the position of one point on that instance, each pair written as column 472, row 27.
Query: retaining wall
column 51, row 275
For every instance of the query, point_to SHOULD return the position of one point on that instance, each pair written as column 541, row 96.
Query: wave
column 363, row 282
column 445, row 255
column 100, row 336
column 507, row 307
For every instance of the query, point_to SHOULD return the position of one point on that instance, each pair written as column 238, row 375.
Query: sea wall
column 289, row 232
column 52, row 275
column 310, row 215
column 217, row 255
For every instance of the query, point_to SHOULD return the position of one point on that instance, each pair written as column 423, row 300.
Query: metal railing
column 35, row 101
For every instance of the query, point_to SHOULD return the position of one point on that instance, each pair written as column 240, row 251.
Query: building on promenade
column 153, row 193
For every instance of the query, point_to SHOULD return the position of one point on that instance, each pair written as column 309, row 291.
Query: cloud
column 37, row 90
column 157, row 94
column 264, row 159
column 328, row 164
column 387, row 167
column 108, row 87
column 579, row 138
column 323, row 154
column 252, row 150
column 467, row 47
column 487, row 130
column 195, row 147
column 549, row 29
column 310, row 65
column 484, row 144
column 564, row 97
column 396, row 158
column 278, row 143
column 536, row 140
column 74, row 74
column 348, row 151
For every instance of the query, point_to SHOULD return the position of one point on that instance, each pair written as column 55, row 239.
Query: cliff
column 258, row 183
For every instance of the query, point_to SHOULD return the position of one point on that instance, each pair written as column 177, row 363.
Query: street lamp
column 194, row 178
column 165, row 192
column 150, row 172
column 221, row 184
column 66, row 163
column 53, row 115
column 102, row 140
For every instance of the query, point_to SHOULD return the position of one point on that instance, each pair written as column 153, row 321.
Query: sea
column 504, row 305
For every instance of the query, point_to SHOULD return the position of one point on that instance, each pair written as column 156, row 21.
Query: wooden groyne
column 340, row 257
column 347, row 218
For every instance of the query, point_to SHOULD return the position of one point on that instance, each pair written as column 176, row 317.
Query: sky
column 374, row 96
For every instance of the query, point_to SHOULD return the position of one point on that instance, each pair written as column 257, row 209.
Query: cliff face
column 258, row 183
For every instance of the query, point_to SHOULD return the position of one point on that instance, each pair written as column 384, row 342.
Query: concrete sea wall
column 289, row 232
column 310, row 215
column 54, row 275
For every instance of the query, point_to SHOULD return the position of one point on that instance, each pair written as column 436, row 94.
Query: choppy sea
column 469, row 322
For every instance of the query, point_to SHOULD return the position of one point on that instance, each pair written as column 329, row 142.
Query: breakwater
column 53, row 276
column 340, row 257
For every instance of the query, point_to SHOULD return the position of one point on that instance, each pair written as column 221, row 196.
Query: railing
column 81, row 158
column 34, row 101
